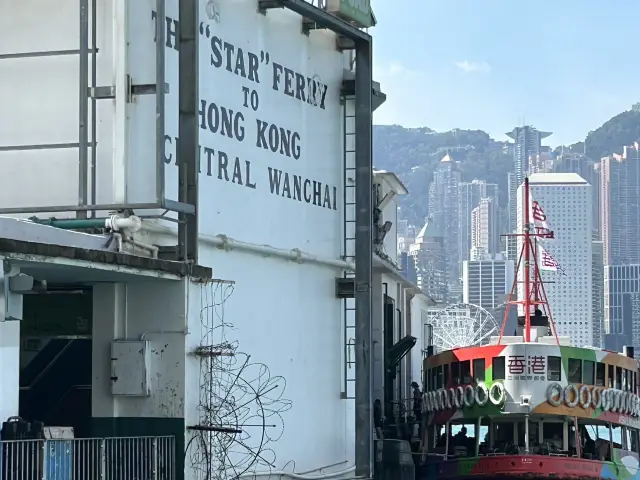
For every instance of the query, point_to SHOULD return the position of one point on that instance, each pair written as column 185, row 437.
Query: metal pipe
column 94, row 115
column 83, row 98
column 113, row 222
column 188, row 128
column 160, row 98
column 364, row 453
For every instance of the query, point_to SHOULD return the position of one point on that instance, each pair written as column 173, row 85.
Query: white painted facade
column 280, row 246
column 566, row 201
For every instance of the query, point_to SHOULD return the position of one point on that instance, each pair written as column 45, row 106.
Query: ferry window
column 465, row 372
column 588, row 372
column 434, row 378
column 634, row 387
column 554, row 367
column 445, row 377
column 575, row 371
column 619, row 378
column 439, row 383
column 610, row 379
column 600, row 371
column 634, row 440
column 455, row 373
column 478, row 369
column 629, row 381
column 498, row 368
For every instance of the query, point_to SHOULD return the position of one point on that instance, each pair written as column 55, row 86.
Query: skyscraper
column 485, row 231
column 571, row 162
column 430, row 266
column 597, row 292
column 620, row 205
column 566, row 200
column 620, row 229
column 487, row 282
column 527, row 143
column 470, row 194
column 443, row 209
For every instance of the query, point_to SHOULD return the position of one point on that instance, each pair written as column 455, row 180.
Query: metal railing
column 125, row 458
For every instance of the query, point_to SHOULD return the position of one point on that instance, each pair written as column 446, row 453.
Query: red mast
column 535, row 296
column 527, row 274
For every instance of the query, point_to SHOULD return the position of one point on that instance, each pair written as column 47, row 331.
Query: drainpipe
column 114, row 222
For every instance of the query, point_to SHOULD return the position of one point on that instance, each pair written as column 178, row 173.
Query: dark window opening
column 554, row 368
column 619, row 378
column 588, row 372
column 575, row 371
column 446, row 374
column 439, row 383
column 498, row 365
column 478, row 370
column 600, row 374
column 629, row 380
column 610, row 376
column 465, row 372
column 455, row 373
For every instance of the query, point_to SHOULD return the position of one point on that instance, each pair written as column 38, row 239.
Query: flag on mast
column 547, row 262
column 539, row 218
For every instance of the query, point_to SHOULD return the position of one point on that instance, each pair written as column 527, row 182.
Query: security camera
column 525, row 400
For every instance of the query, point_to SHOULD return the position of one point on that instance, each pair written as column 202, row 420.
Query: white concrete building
column 275, row 231
column 566, row 201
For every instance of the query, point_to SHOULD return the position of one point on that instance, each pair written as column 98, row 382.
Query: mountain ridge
column 413, row 153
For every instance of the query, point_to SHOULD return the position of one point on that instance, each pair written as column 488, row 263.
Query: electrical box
column 130, row 375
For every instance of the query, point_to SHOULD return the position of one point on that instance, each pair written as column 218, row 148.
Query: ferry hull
column 507, row 467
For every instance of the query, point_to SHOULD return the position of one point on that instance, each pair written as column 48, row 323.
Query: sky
column 564, row 66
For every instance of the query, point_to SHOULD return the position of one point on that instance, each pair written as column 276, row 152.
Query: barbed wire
column 240, row 405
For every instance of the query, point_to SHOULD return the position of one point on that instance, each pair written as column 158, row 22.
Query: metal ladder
column 349, row 242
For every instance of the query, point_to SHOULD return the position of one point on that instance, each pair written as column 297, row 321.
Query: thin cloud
column 396, row 70
column 473, row 67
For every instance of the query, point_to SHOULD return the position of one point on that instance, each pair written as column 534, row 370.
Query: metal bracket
column 109, row 92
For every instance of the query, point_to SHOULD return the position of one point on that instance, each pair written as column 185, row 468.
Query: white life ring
column 482, row 394
column 554, row 390
column 469, row 396
column 615, row 400
column 585, row 401
column 635, row 405
column 606, row 399
column 596, row 398
column 576, row 395
column 451, row 398
column 497, row 388
column 443, row 399
column 627, row 402
column 436, row 400
column 426, row 402
column 458, row 397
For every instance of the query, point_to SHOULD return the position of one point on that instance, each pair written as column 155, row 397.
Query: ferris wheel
column 462, row 325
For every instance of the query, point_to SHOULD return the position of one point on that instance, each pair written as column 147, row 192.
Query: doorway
column 55, row 358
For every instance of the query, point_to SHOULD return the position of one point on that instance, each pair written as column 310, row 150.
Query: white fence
column 127, row 458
